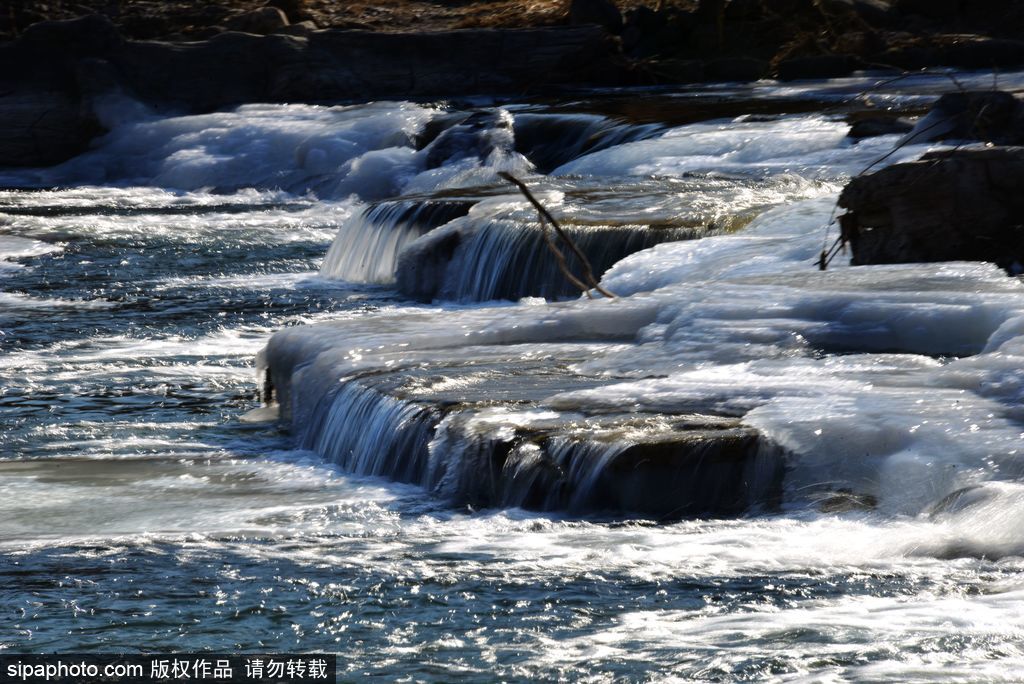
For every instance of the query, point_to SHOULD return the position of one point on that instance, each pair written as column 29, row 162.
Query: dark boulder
column 949, row 206
column 991, row 116
column 43, row 127
column 871, row 127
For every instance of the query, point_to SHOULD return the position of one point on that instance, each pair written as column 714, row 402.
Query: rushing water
column 141, row 512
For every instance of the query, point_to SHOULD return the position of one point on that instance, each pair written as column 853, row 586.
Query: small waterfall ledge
column 462, row 407
column 475, row 451
column 483, row 244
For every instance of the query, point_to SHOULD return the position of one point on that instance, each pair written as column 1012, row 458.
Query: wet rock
column 949, row 206
column 423, row 425
column 987, row 116
column 263, row 21
column 42, row 128
column 845, row 501
column 478, row 136
column 486, row 259
column 875, row 126
column 421, row 270
column 710, row 470
column 234, row 68
column 601, row 12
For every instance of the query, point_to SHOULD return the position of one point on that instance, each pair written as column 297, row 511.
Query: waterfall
column 690, row 465
column 367, row 244
column 371, row 433
column 700, row 469
column 480, row 259
column 551, row 140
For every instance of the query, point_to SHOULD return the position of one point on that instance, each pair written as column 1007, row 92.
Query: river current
column 140, row 512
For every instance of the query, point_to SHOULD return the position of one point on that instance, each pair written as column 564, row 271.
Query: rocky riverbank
column 64, row 66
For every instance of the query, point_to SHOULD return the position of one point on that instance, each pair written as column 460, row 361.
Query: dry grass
column 183, row 18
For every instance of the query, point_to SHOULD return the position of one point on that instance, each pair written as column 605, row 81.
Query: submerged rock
column 949, row 206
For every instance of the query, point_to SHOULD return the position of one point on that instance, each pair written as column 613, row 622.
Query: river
column 146, row 507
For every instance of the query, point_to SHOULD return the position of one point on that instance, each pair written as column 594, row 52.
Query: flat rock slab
column 478, row 434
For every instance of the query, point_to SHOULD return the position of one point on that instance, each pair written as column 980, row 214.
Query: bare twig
column 560, row 258
column 591, row 281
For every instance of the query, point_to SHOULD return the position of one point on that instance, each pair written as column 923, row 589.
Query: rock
column 262, row 21
column 819, row 66
column 707, row 470
column 949, row 206
column 89, row 36
column 299, row 29
column 601, row 12
column 874, row 126
column 42, row 128
column 422, row 267
column 664, row 465
column 234, row 68
column 710, row 11
column 293, row 9
column 478, row 136
column 788, row 8
column 986, row 116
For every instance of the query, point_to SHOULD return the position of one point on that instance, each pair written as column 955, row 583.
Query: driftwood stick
column 562, row 265
column 545, row 215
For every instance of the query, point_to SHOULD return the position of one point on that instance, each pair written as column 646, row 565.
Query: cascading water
column 368, row 243
column 827, row 465
column 484, row 259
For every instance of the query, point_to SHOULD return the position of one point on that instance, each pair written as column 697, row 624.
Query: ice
column 812, row 146
column 334, row 151
column 851, row 370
